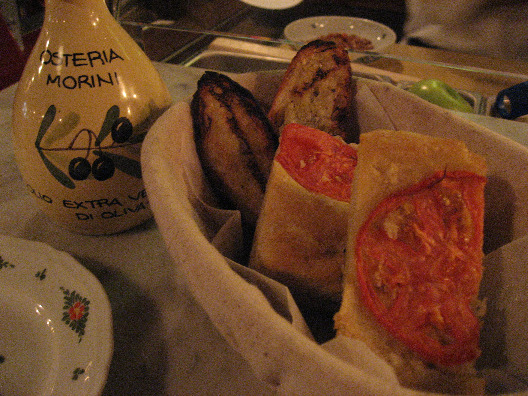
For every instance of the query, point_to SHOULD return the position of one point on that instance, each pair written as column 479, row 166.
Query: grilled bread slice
column 317, row 91
column 235, row 142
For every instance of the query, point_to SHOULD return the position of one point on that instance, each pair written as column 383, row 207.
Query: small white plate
column 273, row 4
column 308, row 29
column 55, row 323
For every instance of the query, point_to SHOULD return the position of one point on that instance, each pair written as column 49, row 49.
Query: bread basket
column 258, row 316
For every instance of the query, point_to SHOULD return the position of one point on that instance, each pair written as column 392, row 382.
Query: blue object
column 512, row 102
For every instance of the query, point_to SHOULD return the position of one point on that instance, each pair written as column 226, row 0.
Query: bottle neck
column 95, row 6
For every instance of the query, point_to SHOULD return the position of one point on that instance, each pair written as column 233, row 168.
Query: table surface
column 164, row 342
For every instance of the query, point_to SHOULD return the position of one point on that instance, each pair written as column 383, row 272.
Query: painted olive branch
column 87, row 148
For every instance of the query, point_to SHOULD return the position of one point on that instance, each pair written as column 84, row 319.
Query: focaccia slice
column 301, row 232
column 414, row 258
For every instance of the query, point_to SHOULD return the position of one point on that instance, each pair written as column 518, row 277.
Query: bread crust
column 300, row 238
column 317, row 90
column 388, row 162
column 235, row 142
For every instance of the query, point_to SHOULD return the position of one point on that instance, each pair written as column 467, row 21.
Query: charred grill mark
column 208, row 121
column 247, row 152
column 319, row 75
column 341, row 60
column 322, row 45
column 228, row 98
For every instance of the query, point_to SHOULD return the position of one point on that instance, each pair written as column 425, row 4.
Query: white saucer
column 55, row 323
column 308, row 29
column 273, row 4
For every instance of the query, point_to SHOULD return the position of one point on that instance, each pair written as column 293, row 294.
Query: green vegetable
column 441, row 94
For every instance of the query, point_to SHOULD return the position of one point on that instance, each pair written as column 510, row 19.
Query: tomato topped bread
column 301, row 232
column 414, row 258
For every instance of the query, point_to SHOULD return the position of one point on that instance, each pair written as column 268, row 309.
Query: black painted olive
column 79, row 168
column 103, row 168
column 121, row 130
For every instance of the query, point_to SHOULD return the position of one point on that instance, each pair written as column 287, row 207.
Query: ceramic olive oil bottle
column 82, row 108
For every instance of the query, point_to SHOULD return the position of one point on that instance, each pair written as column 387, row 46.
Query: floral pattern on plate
column 55, row 321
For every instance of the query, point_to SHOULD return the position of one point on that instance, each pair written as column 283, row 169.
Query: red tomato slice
column 317, row 161
column 419, row 265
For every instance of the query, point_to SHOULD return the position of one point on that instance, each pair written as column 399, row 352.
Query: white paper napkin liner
column 505, row 333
